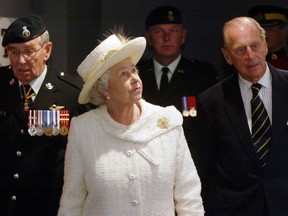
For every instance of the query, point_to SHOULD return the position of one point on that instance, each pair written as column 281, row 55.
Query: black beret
column 269, row 15
column 24, row 29
column 164, row 15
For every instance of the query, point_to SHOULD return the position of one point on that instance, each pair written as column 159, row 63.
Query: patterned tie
column 27, row 93
column 164, row 81
column 261, row 127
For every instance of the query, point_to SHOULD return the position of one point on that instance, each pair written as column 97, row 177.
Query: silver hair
column 96, row 94
column 236, row 22
column 44, row 38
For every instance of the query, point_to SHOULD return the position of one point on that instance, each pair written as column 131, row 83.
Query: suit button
column 19, row 153
column 14, row 198
column 22, row 132
column 16, row 176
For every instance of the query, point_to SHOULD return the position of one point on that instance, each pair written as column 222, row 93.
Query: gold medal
column 26, row 106
column 48, row 131
column 64, row 130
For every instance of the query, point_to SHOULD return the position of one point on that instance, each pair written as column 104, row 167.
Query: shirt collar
column 265, row 80
column 158, row 67
column 36, row 84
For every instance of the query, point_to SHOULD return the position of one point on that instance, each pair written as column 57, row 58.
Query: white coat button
column 131, row 176
column 129, row 153
column 14, row 198
column 19, row 153
column 134, row 202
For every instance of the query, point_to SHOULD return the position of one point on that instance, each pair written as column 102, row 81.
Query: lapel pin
column 49, row 86
column 11, row 82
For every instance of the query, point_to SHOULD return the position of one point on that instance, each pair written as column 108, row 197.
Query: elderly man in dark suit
column 242, row 151
column 169, row 78
column 34, row 121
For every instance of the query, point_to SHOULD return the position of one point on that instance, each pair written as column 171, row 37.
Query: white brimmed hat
column 108, row 53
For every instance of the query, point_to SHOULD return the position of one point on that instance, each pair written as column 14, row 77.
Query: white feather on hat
column 108, row 53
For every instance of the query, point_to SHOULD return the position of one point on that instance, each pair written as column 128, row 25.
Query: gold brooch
column 163, row 122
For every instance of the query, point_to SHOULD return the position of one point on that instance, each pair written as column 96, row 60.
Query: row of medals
column 48, row 131
column 40, row 130
column 51, row 129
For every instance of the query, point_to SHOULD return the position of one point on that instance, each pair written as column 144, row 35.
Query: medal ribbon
column 184, row 102
column 192, row 102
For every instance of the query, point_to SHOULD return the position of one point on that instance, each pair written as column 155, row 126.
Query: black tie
column 164, row 81
column 261, row 126
column 27, row 93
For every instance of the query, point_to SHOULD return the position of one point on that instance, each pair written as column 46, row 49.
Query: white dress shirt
column 265, row 94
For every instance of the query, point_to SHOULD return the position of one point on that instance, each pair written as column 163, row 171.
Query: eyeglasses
column 27, row 54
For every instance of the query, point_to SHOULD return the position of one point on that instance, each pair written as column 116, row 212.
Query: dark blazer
column 31, row 170
column 233, row 182
column 190, row 78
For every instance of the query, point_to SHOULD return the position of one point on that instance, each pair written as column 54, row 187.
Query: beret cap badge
column 25, row 32
column 166, row 14
column 170, row 16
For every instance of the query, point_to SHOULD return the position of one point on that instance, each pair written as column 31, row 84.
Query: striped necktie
column 164, row 81
column 261, row 126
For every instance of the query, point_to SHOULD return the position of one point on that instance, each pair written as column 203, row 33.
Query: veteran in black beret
column 36, row 104
column 169, row 78
column 274, row 20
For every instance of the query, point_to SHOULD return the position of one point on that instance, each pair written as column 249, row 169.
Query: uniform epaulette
column 74, row 80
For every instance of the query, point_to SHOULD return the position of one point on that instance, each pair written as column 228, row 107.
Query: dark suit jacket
column 190, row 78
column 31, row 170
column 233, row 181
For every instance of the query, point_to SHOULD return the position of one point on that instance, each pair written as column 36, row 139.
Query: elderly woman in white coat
column 127, row 157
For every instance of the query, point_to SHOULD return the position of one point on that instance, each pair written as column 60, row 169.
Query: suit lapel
column 13, row 96
column 279, row 113
column 236, row 113
column 176, row 80
column 148, row 77
column 46, row 96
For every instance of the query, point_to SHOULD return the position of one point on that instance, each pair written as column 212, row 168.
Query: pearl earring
column 108, row 97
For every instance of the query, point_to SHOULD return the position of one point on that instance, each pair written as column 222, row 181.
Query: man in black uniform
column 185, row 79
column 274, row 20
column 34, row 121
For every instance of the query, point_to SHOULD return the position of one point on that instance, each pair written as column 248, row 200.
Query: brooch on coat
column 163, row 122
